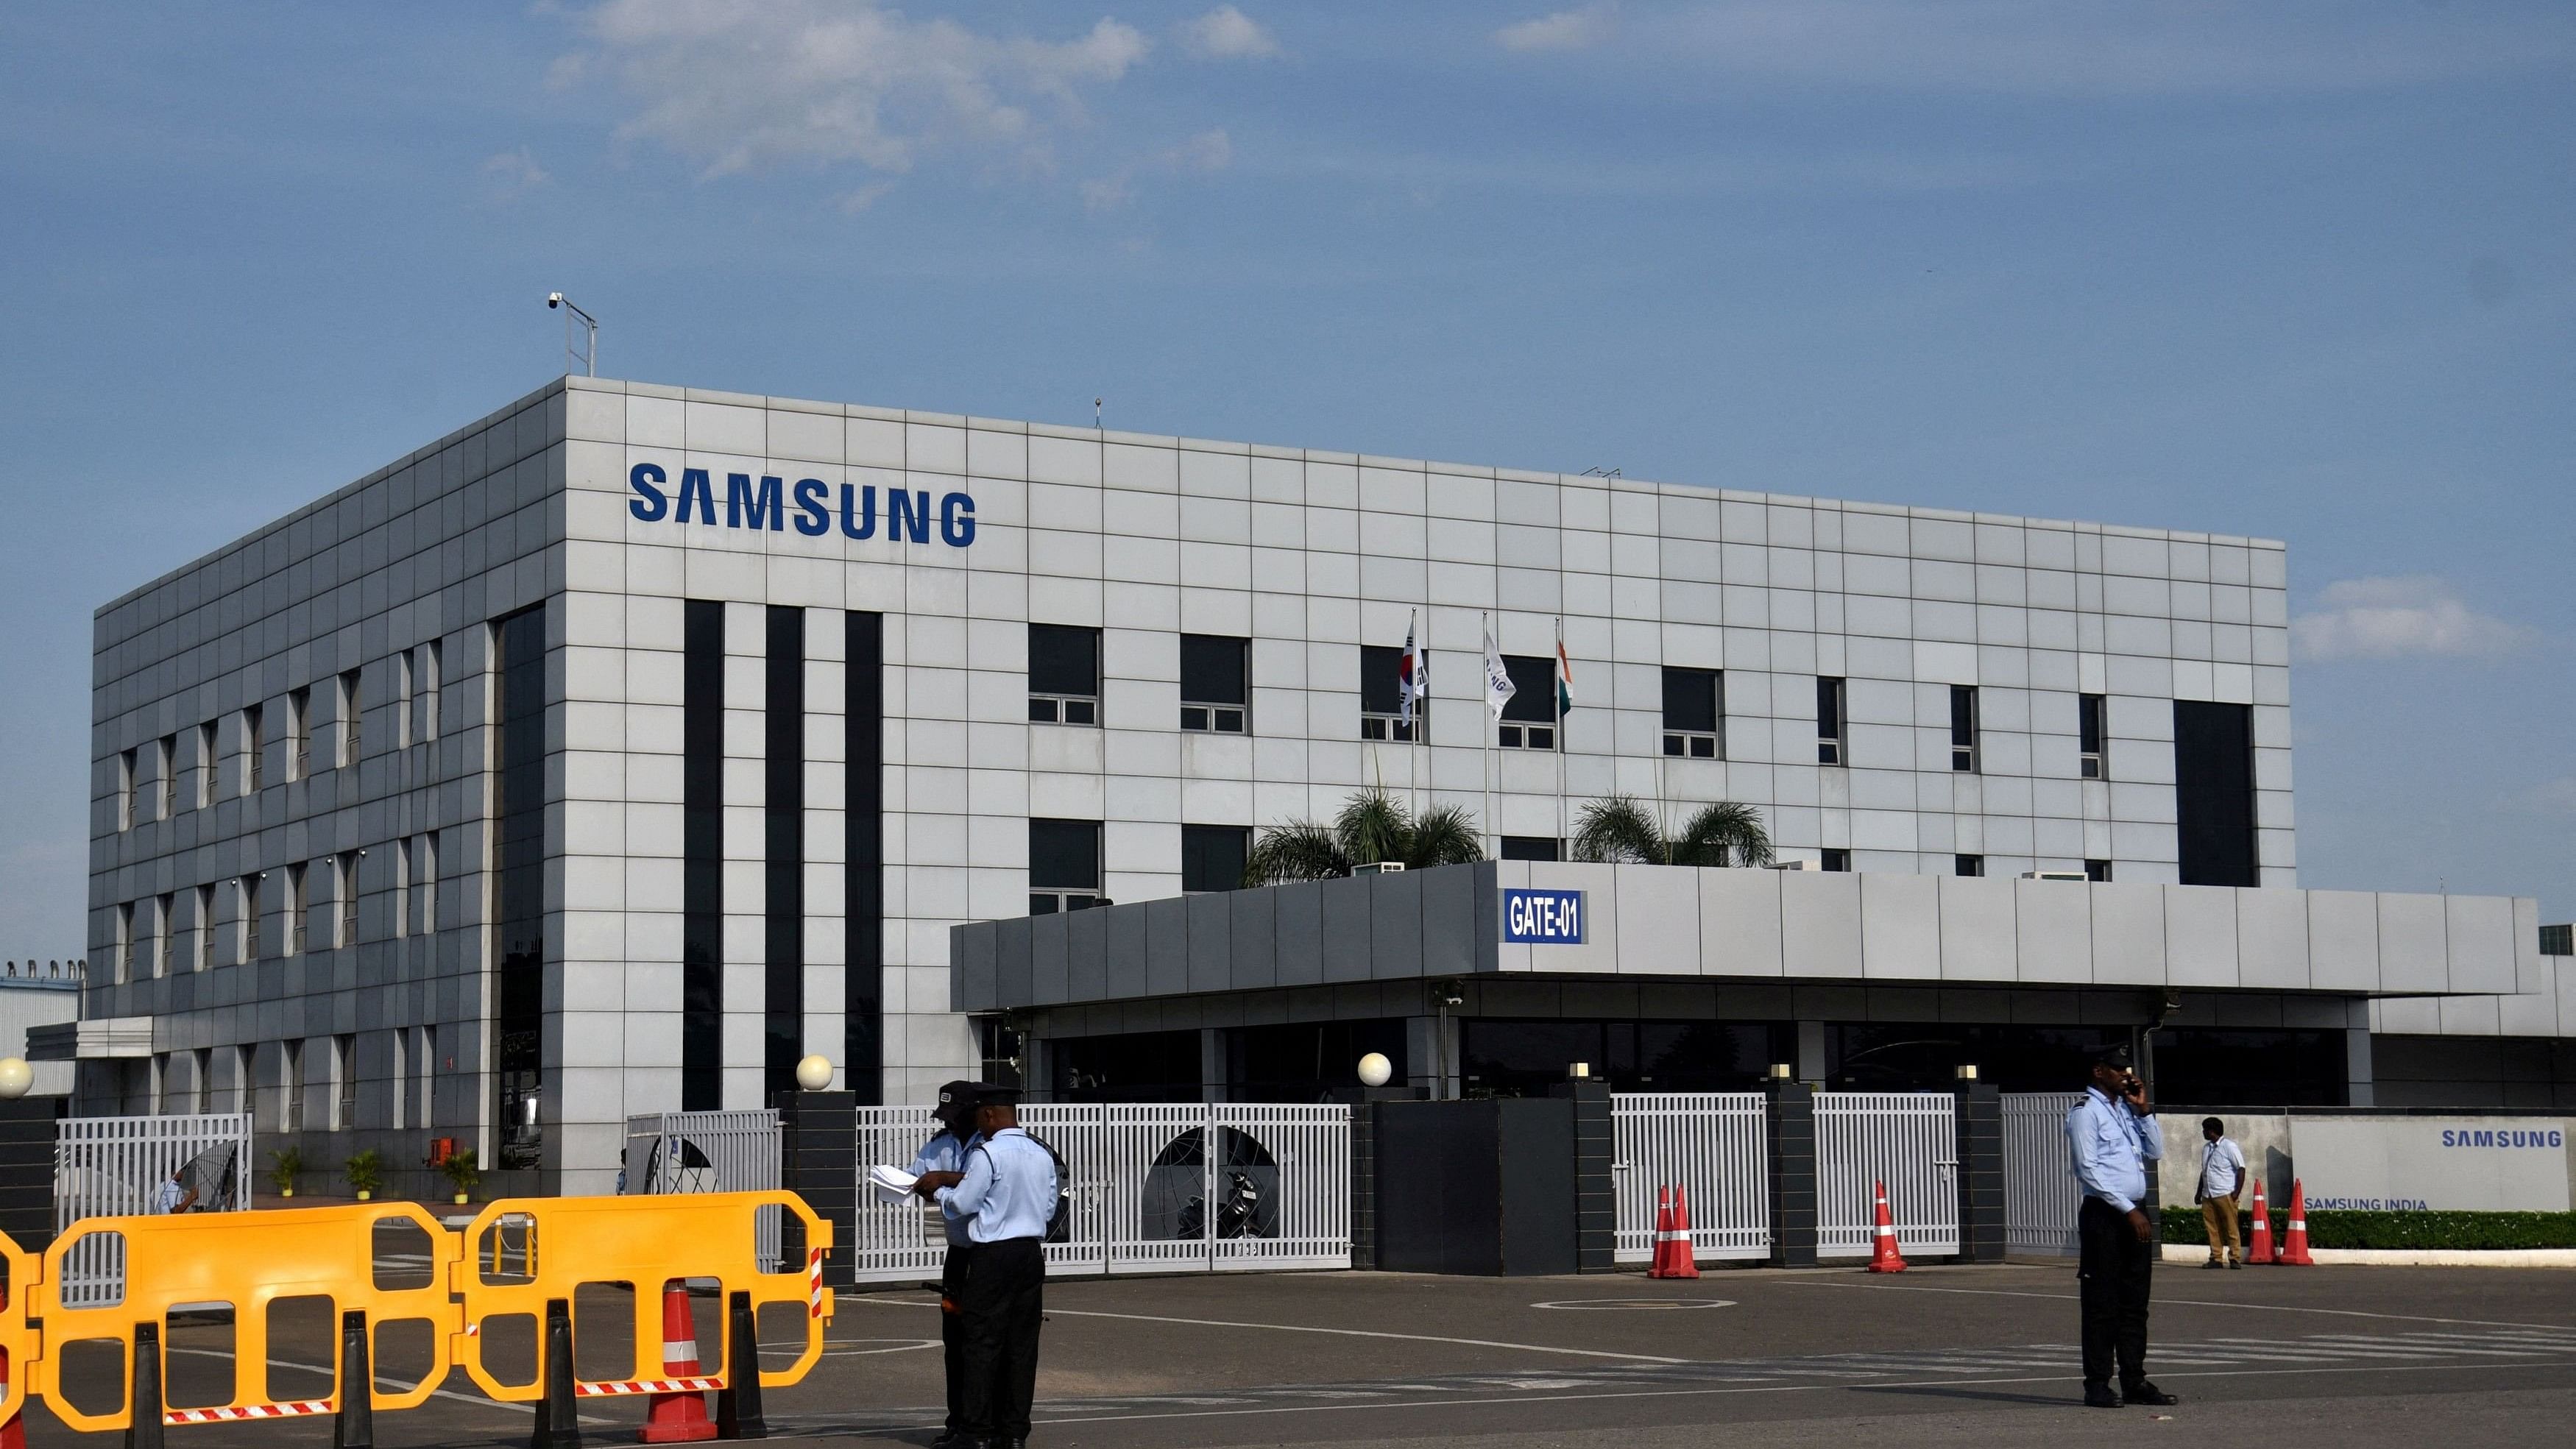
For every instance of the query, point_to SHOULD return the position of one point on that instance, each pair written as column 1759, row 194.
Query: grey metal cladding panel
column 1126, row 952
column 1011, row 962
column 1346, row 928
column 1451, row 920
column 1489, row 917
column 1210, row 944
column 1395, row 926
column 1300, row 933
column 1253, row 937
column 972, row 986
column 1051, row 958
column 1167, row 946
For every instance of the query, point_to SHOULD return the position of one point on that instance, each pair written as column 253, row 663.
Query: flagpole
column 1485, row 641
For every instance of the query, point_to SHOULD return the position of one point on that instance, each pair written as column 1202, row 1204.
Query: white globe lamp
column 15, row 1077
column 814, row 1073
column 1376, row 1070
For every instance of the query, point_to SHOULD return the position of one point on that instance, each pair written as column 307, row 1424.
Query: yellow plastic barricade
column 244, row 1260
column 643, row 1242
column 17, row 1339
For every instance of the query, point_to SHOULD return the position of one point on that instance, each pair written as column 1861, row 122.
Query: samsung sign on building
column 811, row 506
column 2394, row 1164
column 1543, row 918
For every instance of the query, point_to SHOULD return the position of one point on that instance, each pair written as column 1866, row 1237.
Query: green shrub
column 2443, row 1230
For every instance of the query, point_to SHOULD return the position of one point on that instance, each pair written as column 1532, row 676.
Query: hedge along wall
column 2449, row 1230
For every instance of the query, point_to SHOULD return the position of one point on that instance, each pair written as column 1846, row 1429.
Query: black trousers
column 999, row 1312
column 2114, row 1273
column 952, row 1332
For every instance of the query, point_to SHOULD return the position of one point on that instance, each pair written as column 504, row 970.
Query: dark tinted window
column 1829, row 709
column 1064, row 855
column 2208, row 1067
column 1381, row 679
column 1970, row 865
column 1064, row 660
column 1837, row 860
column 1213, row 668
column 1529, row 847
column 2214, row 792
column 1150, row 1066
column 1533, row 688
column 1963, row 717
column 1690, row 700
column 2088, row 723
column 1212, row 856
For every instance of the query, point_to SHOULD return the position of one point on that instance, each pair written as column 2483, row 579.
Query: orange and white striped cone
column 2258, row 1236
column 1684, row 1259
column 1883, row 1257
column 1663, row 1257
column 13, row 1435
column 2294, row 1243
column 677, row 1417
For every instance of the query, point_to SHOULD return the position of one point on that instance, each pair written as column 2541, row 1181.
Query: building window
column 202, row 1063
column 1382, row 696
column 429, row 884
column 206, row 764
column 425, row 1101
column 1963, row 728
column 299, row 733
column 2089, row 733
column 1064, row 865
column 1215, row 683
column 165, row 778
column 254, row 733
column 165, row 922
column 402, row 888
column 1531, row 847
column 250, row 942
column 205, row 928
column 397, row 1075
column 293, row 1079
column 425, row 679
column 1529, row 716
column 122, row 956
column 295, row 907
column 125, row 790
column 2558, row 940
column 1064, row 674
column 344, row 931
column 2097, row 870
column 400, row 696
column 1968, row 865
column 1829, row 721
column 352, row 716
column 2214, row 794
column 344, row 1081
column 1694, row 714
column 1212, row 857
column 245, row 1069
column 1838, row 861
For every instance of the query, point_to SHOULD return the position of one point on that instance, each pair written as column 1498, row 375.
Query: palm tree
column 1620, row 829
column 1373, row 827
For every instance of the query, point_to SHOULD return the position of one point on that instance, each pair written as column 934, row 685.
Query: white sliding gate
column 1144, row 1177
column 734, row 1151
column 114, row 1167
column 1710, row 1144
column 1908, row 1140
column 2040, row 1195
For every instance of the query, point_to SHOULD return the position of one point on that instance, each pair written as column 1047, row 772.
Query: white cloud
column 739, row 85
column 2550, row 797
column 512, row 174
column 1226, row 33
column 1207, row 151
column 1565, row 30
column 2388, row 618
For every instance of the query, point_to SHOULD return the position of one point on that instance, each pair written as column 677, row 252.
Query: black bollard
column 354, row 1427
column 143, row 1423
column 558, row 1426
column 738, row 1414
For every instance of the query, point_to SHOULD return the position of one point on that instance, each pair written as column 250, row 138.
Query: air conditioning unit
column 2076, row 876
column 1797, row 865
column 1382, row 867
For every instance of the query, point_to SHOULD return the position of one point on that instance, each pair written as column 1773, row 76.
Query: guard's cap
column 2113, row 1056
column 956, row 1094
column 994, row 1094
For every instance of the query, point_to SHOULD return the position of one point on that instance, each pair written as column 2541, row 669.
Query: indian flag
column 1564, row 681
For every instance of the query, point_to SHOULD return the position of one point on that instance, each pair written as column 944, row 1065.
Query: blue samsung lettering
column 907, row 516
column 866, row 524
column 956, row 520
column 696, row 486
column 763, row 506
column 813, row 515
column 648, row 505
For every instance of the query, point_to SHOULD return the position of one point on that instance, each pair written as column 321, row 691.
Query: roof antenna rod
column 1095, row 414
column 588, row 356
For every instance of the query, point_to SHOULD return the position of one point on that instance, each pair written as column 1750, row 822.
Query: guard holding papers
column 947, row 1153
column 1007, row 1198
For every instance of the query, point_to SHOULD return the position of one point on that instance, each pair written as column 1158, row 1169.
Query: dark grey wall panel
column 1395, row 925
column 1254, row 935
column 1449, row 922
column 1086, row 936
column 1167, row 946
column 1301, row 934
column 972, row 986
column 1346, row 929
column 1051, row 958
column 1211, row 943
column 1126, row 952
column 1011, row 962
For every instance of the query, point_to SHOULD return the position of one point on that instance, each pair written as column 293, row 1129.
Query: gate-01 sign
column 1543, row 918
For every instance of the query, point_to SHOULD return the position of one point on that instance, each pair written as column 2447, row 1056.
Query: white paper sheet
column 892, row 1184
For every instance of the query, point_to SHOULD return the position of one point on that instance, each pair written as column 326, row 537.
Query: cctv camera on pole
column 588, row 356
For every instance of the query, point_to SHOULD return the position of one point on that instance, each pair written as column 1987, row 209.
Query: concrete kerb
column 2193, row 1253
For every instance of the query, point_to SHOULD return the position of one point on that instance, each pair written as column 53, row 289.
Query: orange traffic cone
column 2258, row 1235
column 2294, row 1243
column 1680, row 1260
column 13, row 1435
column 1883, row 1257
column 678, row 1416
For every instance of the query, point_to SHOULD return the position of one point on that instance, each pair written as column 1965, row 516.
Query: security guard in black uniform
column 1007, row 1197
column 947, row 1153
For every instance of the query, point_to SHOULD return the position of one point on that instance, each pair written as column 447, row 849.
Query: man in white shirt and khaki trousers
column 2221, row 1194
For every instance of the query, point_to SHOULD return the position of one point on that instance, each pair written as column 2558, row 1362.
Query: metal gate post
column 1596, row 1209
column 818, row 1160
column 1981, row 1169
column 1791, row 1125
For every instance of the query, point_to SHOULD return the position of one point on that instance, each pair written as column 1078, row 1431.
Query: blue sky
column 2301, row 270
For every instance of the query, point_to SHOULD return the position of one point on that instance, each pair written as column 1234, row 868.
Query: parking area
column 2358, row 1356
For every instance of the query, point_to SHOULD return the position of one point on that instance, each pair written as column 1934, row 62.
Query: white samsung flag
column 1414, row 671
column 1498, row 680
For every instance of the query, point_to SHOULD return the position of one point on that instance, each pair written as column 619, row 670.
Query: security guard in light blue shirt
column 947, row 1153
column 2111, row 1136
column 1006, row 1197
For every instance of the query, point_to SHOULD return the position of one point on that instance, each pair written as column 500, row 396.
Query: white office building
column 616, row 751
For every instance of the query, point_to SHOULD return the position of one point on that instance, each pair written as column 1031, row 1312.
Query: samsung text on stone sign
column 812, row 507
column 1543, row 918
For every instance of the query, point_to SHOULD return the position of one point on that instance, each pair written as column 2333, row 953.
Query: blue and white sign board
column 1543, row 918
column 2473, row 1164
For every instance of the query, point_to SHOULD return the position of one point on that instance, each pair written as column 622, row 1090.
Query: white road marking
column 1339, row 1333
column 2184, row 1303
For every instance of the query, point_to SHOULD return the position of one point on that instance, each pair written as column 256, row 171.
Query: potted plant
column 284, row 1166
column 365, row 1172
column 461, row 1172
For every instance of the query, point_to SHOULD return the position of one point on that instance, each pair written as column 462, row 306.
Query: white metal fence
column 1711, row 1144
column 1908, row 1140
column 2040, row 1194
column 736, row 1151
column 1192, row 1187
column 114, row 1167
